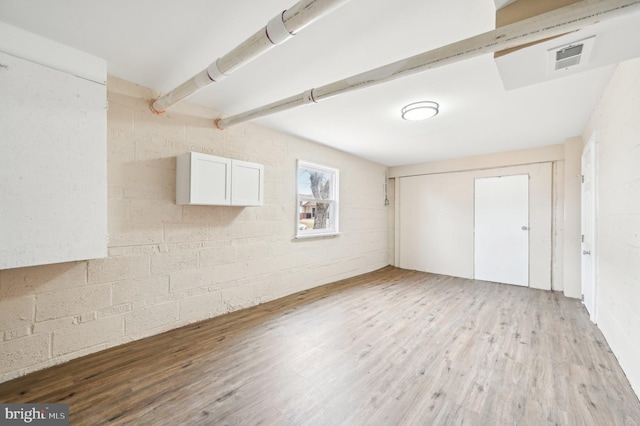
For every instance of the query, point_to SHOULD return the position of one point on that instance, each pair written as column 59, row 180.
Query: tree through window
column 317, row 200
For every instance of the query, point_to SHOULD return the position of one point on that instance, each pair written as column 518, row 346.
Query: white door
column 588, row 228
column 501, row 222
column 436, row 224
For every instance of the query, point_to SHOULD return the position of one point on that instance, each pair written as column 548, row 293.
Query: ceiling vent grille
column 570, row 56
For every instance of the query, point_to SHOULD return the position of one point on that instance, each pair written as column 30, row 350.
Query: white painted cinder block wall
column 171, row 265
column 617, row 121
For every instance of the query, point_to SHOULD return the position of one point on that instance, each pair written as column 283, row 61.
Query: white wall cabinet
column 204, row 179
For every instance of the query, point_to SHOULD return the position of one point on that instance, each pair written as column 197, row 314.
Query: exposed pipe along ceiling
column 554, row 23
column 278, row 30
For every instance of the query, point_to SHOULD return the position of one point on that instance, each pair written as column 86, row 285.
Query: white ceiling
column 161, row 43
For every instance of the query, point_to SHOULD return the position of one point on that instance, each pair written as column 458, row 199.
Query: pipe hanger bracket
column 214, row 72
column 276, row 31
column 308, row 97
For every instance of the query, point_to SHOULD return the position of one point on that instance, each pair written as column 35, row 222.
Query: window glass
column 317, row 192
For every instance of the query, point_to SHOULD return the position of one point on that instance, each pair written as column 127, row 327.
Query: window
column 317, row 188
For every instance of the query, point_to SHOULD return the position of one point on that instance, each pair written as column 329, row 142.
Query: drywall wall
column 436, row 221
column 554, row 154
column 572, row 233
column 618, row 216
column 557, row 235
column 170, row 265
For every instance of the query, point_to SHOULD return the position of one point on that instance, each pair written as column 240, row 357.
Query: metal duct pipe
column 553, row 23
column 279, row 29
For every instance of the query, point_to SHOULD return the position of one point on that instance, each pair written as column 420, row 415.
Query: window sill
column 319, row 235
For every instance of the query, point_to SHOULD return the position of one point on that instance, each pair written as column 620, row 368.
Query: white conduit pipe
column 279, row 29
column 554, row 23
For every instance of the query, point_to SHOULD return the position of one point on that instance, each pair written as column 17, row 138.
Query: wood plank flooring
column 392, row 347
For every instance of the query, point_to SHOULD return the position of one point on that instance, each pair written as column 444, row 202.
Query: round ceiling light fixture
column 420, row 110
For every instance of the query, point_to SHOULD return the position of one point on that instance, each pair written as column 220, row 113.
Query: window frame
column 333, row 201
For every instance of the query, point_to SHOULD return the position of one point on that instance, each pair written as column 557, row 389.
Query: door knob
column 525, row 228
column 586, row 252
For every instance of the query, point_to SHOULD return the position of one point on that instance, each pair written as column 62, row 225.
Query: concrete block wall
column 617, row 254
column 171, row 265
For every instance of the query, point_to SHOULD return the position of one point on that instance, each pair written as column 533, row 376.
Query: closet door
column 436, row 224
column 501, row 229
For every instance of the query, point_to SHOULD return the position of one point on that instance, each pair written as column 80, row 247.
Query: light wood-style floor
column 393, row 347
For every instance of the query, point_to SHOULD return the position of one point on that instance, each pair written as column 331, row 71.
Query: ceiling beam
column 553, row 23
column 522, row 9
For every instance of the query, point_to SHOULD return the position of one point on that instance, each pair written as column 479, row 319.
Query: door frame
column 592, row 208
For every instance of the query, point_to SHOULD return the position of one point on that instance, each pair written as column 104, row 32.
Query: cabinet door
column 210, row 179
column 203, row 179
column 247, row 183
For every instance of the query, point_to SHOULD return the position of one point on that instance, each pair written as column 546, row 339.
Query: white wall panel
column 53, row 165
column 436, row 224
